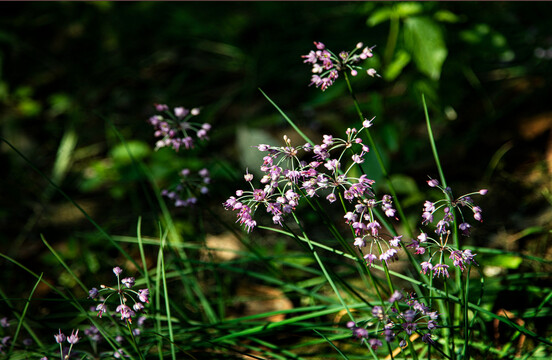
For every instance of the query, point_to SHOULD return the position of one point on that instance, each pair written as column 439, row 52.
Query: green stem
column 457, row 271
column 450, row 325
column 134, row 344
column 391, row 38
column 466, row 319
column 379, row 159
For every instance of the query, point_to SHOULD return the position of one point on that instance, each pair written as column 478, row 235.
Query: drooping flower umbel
column 176, row 129
column 393, row 323
column 292, row 173
column 124, row 291
column 438, row 248
column 191, row 185
column 326, row 66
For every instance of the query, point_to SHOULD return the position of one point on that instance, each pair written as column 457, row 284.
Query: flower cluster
column 185, row 192
column 124, row 292
column 397, row 323
column 288, row 178
column 175, row 129
column 438, row 247
column 326, row 65
column 71, row 339
column 462, row 202
column 6, row 340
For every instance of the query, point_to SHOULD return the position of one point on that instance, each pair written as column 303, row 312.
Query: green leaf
column 407, row 9
column 379, row 16
column 394, row 69
column 446, row 16
column 424, row 39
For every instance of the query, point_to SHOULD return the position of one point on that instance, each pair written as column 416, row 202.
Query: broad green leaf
column 446, row 16
column 424, row 39
column 379, row 16
column 407, row 9
column 401, row 59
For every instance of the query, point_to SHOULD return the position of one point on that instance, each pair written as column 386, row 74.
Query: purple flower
column 128, row 282
column 73, row 338
column 374, row 343
column 426, row 267
column 395, row 241
column 440, row 269
column 431, row 324
column 377, row 312
column 465, row 228
column 427, row 338
column 360, row 333
column 409, row 327
column 117, row 271
column 125, row 311
column 101, row 309
column 93, row 293
column 396, row 296
column 180, row 112
column 4, row 322
column 161, row 107
column 143, row 295
column 359, row 241
column 369, row 259
column 60, row 337
column 325, row 65
column 433, row 183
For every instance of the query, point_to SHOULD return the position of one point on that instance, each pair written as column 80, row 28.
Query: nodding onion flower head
column 437, row 247
column 190, row 186
column 326, row 65
column 176, row 129
column 124, row 293
column 291, row 173
column 397, row 324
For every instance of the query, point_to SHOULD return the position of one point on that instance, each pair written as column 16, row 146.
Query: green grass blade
column 67, row 268
column 295, row 127
column 331, row 344
column 22, row 317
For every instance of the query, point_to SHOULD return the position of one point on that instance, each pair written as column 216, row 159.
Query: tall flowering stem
column 379, row 158
column 458, row 277
column 126, row 295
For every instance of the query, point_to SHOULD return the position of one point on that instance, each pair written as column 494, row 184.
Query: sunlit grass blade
column 295, row 127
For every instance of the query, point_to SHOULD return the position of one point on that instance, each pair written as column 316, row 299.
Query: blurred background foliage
column 73, row 72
